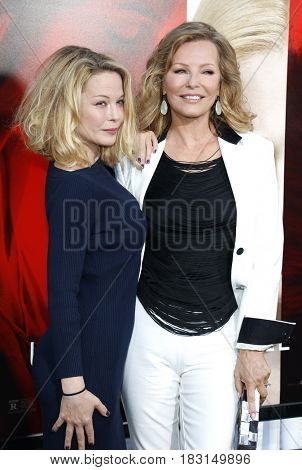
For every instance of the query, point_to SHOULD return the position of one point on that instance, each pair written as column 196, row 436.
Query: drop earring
column 218, row 109
column 164, row 106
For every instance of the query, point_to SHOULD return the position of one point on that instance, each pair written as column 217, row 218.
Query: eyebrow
column 108, row 97
column 186, row 65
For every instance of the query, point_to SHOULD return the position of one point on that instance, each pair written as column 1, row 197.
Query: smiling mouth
column 194, row 98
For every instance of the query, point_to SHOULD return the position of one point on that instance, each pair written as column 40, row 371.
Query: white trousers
column 179, row 391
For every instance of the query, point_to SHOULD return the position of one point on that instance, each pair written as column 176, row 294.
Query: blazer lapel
column 146, row 174
column 240, row 180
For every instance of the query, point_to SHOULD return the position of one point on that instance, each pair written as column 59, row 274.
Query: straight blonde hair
column 151, row 90
column 50, row 111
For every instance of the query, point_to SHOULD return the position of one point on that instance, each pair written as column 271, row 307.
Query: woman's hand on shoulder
column 147, row 145
column 76, row 411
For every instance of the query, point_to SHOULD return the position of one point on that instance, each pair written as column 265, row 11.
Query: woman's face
column 101, row 110
column 192, row 82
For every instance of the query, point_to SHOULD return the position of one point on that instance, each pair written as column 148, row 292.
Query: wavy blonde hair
column 249, row 25
column 50, row 111
column 151, row 90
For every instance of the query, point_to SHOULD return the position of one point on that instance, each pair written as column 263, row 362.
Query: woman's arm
column 147, row 145
column 68, row 218
column 259, row 300
column 67, row 246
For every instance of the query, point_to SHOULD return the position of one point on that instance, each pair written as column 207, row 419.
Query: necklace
column 198, row 161
column 209, row 158
column 198, row 155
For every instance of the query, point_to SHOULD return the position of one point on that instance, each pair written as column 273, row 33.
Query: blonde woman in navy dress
column 79, row 114
column 208, row 287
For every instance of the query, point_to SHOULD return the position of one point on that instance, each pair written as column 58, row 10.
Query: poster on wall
column 30, row 30
column 291, row 372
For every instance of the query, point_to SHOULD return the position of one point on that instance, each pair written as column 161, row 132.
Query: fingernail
column 142, row 165
column 148, row 161
column 155, row 150
column 107, row 413
column 239, row 395
column 67, row 448
column 91, row 444
column 253, row 416
column 139, row 160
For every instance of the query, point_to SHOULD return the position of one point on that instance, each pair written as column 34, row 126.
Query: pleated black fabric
column 185, row 284
column 96, row 232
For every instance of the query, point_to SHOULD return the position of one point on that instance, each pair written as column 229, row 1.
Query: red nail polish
column 108, row 413
column 67, row 448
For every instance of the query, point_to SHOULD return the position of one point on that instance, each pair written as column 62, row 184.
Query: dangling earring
column 164, row 106
column 218, row 109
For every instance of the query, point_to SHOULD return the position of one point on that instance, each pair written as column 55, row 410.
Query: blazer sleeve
column 67, row 216
column 123, row 173
column 259, row 329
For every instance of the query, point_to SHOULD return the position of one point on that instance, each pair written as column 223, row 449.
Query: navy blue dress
column 96, row 233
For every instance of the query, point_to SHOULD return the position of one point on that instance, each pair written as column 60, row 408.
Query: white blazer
column 251, row 169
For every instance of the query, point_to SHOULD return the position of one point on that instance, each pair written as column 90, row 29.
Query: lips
column 111, row 131
column 195, row 98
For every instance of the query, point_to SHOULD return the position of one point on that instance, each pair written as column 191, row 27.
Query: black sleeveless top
column 185, row 283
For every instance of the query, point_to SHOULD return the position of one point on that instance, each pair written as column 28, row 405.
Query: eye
column 180, row 71
column 208, row 72
column 121, row 102
column 101, row 103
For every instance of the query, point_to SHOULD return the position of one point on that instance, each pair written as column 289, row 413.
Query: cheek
column 95, row 117
column 212, row 85
column 122, row 113
column 216, row 86
column 171, row 84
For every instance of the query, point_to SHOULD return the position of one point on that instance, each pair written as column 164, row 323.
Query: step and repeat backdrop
column 128, row 30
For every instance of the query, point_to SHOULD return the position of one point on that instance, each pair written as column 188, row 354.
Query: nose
column 114, row 112
column 193, row 80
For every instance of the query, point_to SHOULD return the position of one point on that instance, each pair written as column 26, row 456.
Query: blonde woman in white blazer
column 204, row 314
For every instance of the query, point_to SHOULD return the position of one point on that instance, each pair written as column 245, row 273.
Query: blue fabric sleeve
column 67, row 212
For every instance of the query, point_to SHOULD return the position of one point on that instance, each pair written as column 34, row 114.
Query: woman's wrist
column 72, row 385
column 250, row 352
column 74, row 393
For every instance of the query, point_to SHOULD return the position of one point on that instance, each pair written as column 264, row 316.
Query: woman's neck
column 192, row 132
column 93, row 153
column 92, row 159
